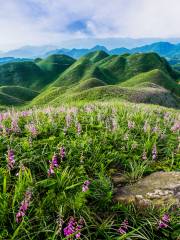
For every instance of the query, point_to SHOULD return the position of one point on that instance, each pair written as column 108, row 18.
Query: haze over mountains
column 163, row 48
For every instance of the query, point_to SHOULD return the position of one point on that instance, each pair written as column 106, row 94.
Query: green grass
column 54, row 65
column 60, row 77
column 15, row 95
column 97, row 143
column 157, row 77
column 143, row 95
column 24, row 74
column 89, row 83
column 96, row 56
column 97, row 69
column 19, row 92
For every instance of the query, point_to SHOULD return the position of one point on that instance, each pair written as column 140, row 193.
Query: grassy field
column 56, row 167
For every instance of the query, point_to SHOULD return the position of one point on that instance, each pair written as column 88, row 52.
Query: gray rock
column 157, row 189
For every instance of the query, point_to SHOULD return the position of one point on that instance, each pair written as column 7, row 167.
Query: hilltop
column 164, row 49
column 60, row 78
column 83, row 79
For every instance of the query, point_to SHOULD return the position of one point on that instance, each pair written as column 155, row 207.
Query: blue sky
column 36, row 22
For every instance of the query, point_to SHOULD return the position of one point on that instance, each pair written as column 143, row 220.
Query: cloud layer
column 51, row 21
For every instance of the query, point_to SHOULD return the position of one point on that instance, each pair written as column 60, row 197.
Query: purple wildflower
column 24, row 206
column 68, row 120
column 164, row 221
column 79, row 129
column 144, row 156
column 55, row 161
column 131, row 124
column 154, row 152
column 10, row 159
column 32, row 129
column 73, row 228
column 51, row 170
column 62, row 153
column 53, row 164
column 19, row 216
column 155, row 129
column 14, row 126
column 176, row 126
column 85, row 186
column 124, row 227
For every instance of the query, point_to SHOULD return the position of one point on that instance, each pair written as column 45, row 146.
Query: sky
column 40, row 22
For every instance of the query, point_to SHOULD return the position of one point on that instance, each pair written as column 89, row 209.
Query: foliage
column 83, row 142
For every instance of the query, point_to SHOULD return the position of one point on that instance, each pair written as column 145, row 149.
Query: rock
column 157, row 189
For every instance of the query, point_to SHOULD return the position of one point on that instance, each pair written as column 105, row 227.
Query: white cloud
column 47, row 21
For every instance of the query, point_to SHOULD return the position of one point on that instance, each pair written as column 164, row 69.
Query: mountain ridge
column 58, row 78
column 163, row 48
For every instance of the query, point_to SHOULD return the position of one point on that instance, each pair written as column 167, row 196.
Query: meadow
column 57, row 166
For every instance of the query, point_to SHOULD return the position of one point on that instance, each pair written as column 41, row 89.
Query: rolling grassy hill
column 157, row 77
column 60, row 78
column 15, row 95
column 83, row 69
column 90, row 76
column 21, row 81
column 54, row 65
column 25, row 74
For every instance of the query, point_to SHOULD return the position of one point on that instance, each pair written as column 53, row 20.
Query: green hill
column 149, row 95
column 90, row 83
column 15, row 95
column 7, row 100
column 25, row 74
column 54, row 65
column 126, row 66
column 96, row 56
column 157, row 77
column 83, row 69
column 93, row 72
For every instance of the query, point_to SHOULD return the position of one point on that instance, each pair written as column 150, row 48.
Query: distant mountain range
column 164, row 49
column 12, row 59
column 28, row 51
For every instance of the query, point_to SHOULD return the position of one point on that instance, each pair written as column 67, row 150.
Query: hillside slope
column 54, row 65
column 15, row 95
column 25, row 74
column 157, row 77
column 144, row 72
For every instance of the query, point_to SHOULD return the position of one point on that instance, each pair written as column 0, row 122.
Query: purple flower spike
column 55, row 161
column 19, row 216
column 144, row 155
column 154, row 152
column 131, row 124
column 53, row 164
column 62, row 153
column 85, row 186
column 73, row 228
column 164, row 221
column 176, row 126
column 124, row 227
column 79, row 128
column 24, row 206
column 10, row 159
